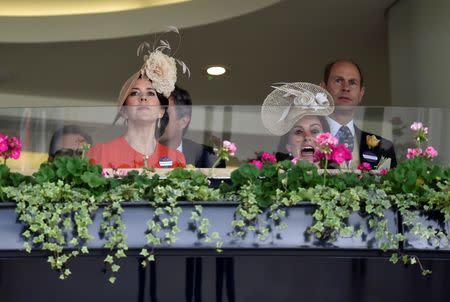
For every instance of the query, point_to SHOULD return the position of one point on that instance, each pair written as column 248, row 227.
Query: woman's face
column 301, row 138
column 142, row 104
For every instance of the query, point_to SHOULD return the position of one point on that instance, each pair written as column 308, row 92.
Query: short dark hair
column 164, row 103
column 59, row 133
column 182, row 100
column 329, row 66
column 183, row 104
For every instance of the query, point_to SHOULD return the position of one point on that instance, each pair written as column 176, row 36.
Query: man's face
column 344, row 84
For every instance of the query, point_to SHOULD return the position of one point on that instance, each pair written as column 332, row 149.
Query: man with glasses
column 68, row 141
column 344, row 80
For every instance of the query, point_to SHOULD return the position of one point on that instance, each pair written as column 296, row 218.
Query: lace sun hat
column 289, row 102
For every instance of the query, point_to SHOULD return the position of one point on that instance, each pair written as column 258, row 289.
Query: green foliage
column 57, row 203
column 8, row 178
column 411, row 176
column 53, row 213
column 74, row 171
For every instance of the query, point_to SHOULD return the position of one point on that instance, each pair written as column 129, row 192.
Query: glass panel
column 209, row 125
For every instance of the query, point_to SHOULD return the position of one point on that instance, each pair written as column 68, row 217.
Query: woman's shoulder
column 114, row 143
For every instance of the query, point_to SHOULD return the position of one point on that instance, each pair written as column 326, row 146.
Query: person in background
column 180, row 112
column 68, row 141
column 344, row 80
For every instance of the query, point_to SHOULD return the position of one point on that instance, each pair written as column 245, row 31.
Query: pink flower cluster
column 108, row 173
column 416, row 126
column 429, row 152
column 364, row 167
column 10, row 147
column 325, row 140
column 421, row 136
column 257, row 163
column 229, row 147
column 268, row 157
column 330, row 150
column 413, row 152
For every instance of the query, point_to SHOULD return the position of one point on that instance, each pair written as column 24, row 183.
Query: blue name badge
column 370, row 156
column 165, row 162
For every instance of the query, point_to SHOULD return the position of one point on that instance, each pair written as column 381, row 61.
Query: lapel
column 366, row 154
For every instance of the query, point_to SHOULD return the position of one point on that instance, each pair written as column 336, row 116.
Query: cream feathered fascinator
column 289, row 102
column 159, row 66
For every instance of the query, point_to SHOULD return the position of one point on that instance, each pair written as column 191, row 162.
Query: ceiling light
column 28, row 8
column 216, row 70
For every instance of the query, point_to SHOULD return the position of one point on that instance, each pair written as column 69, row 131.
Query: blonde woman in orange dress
column 142, row 104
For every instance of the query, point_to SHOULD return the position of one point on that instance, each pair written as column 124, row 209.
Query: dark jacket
column 373, row 155
column 199, row 155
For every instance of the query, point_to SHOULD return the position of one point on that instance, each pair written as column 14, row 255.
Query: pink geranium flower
column 340, row 153
column 413, row 152
column 3, row 143
column 15, row 154
column 384, row 171
column 10, row 147
column 430, row 152
column 230, row 147
column 326, row 139
column 256, row 163
column 416, row 126
column 268, row 157
column 364, row 167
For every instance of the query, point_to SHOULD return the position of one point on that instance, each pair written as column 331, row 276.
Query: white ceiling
column 289, row 41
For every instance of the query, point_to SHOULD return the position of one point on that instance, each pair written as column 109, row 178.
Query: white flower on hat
column 162, row 71
column 322, row 99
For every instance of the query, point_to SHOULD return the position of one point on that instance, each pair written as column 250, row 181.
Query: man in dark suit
column 180, row 111
column 344, row 80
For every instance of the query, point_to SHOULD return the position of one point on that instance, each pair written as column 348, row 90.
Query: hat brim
column 279, row 113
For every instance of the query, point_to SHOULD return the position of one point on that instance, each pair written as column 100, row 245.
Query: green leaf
column 394, row 258
column 93, row 180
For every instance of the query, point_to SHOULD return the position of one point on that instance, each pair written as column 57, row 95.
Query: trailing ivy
column 58, row 203
column 56, row 216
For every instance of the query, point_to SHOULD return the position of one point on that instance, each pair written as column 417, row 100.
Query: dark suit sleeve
column 208, row 158
column 199, row 155
column 388, row 151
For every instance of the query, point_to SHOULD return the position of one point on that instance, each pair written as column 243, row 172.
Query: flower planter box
column 220, row 214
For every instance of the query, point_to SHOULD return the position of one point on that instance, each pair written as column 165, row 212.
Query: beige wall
column 419, row 49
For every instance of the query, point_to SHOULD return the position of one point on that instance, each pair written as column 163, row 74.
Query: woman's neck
column 141, row 137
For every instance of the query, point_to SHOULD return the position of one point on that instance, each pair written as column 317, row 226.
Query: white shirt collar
column 335, row 126
column 180, row 147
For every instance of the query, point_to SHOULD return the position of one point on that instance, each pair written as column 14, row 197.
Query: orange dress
column 118, row 154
